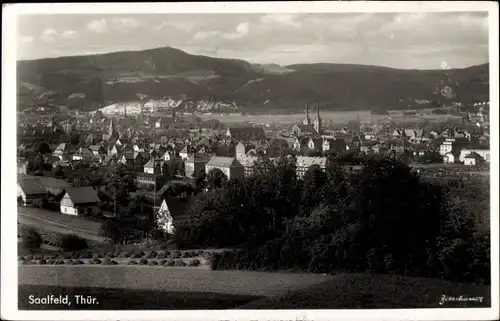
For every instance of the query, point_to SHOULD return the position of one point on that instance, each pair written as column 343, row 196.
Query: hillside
column 105, row 79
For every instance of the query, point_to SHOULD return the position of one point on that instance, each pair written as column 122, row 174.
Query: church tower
column 317, row 121
column 307, row 120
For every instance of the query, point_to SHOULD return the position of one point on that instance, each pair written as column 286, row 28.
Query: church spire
column 317, row 121
column 307, row 120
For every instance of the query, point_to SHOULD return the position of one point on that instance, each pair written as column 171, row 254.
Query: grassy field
column 171, row 279
column 366, row 291
column 121, row 299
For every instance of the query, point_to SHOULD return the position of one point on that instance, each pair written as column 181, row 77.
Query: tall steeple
column 307, row 120
column 317, row 121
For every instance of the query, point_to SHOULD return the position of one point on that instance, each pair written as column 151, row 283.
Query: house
column 315, row 144
column 80, row 201
column 133, row 160
column 152, row 167
column 473, row 159
column 149, row 180
column 248, row 162
column 65, row 151
column 186, row 151
column 451, row 157
column 31, row 191
column 83, row 154
column 276, row 146
column 450, row 144
column 484, row 153
column 97, row 150
column 164, row 219
column 242, row 149
column 228, row 165
column 334, row 145
column 305, row 162
column 194, row 164
column 300, row 143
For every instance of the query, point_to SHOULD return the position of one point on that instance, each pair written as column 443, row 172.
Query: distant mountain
column 105, row 79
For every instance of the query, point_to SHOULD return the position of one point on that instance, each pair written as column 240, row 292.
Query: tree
column 119, row 232
column 31, row 239
column 166, row 170
column 216, row 178
column 72, row 242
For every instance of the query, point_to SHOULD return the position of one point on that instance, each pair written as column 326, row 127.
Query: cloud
column 69, row 34
column 125, row 24
column 205, row 35
column 287, row 20
column 241, row 31
column 98, row 26
column 49, row 34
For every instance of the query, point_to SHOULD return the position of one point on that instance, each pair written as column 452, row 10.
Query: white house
column 484, row 153
column 79, row 201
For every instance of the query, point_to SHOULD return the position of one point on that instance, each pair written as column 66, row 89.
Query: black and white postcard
column 250, row 161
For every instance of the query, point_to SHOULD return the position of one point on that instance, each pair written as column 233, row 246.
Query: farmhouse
column 80, row 201
column 31, row 190
column 152, row 167
column 228, row 165
column 484, row 153
column 473, row 159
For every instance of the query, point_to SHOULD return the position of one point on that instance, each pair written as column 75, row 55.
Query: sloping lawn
column 366, row 291
column 125, row 299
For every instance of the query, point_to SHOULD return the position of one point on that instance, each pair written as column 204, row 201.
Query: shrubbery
column 383, row 219
column 72, row 242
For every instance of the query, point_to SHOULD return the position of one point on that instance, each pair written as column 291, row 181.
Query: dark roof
column 82, row 195
column 31, row 186
column 247, row 132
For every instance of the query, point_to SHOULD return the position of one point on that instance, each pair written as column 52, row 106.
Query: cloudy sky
column 400, row 40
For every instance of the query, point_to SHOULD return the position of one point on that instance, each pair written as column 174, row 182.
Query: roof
column 306, row 128
column 47, row 182
column 95, row 147
column 474, row 155
column 306, row 161
column 247, row 160
column 151, row 163
column 246, row 132
column 223, row 161
column 66, row 148
column 32, row 186
column 413, row 132
column 82, row 195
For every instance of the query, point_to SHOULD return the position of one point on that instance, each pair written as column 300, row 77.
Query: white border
column 9, row 256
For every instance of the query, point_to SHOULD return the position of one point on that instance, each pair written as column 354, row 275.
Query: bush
column 177, row 255
column 77, row 262
column 161, row 255
column 38, row 257
column 72, row 242
column 66, row 256
column 132, row 262
column 85, row 255
column 20, row 258
column 194, row 262
column 42, row 262
column 153, row 263
column 95, row 261
column 50, row 261
column 170, row 263
column 29, row 258
column 68, row 262
column 186, row 255
column 125, row 255
column 59, row 262
column 143, row 262
column 109, row 262
column 152, row 255
column 110, row 255
column 31, row 238
column 180, row 263
column 162, row 262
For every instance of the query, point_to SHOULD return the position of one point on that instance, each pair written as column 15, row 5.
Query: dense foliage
column 384, row 218
column 31, row 238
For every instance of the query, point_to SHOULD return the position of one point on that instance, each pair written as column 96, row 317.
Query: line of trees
column 382, row 219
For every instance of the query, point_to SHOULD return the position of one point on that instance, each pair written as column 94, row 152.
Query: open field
column 367, row 291
column 125, row 299
column 171, row 279
column 56, row 222
column 335, row 116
